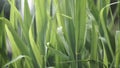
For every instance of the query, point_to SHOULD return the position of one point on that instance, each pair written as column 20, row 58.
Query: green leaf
column 117, row 56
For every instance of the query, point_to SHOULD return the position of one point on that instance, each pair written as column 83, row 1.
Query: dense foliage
column 61, row 34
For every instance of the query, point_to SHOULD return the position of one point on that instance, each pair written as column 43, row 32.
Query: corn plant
column 61, row 34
